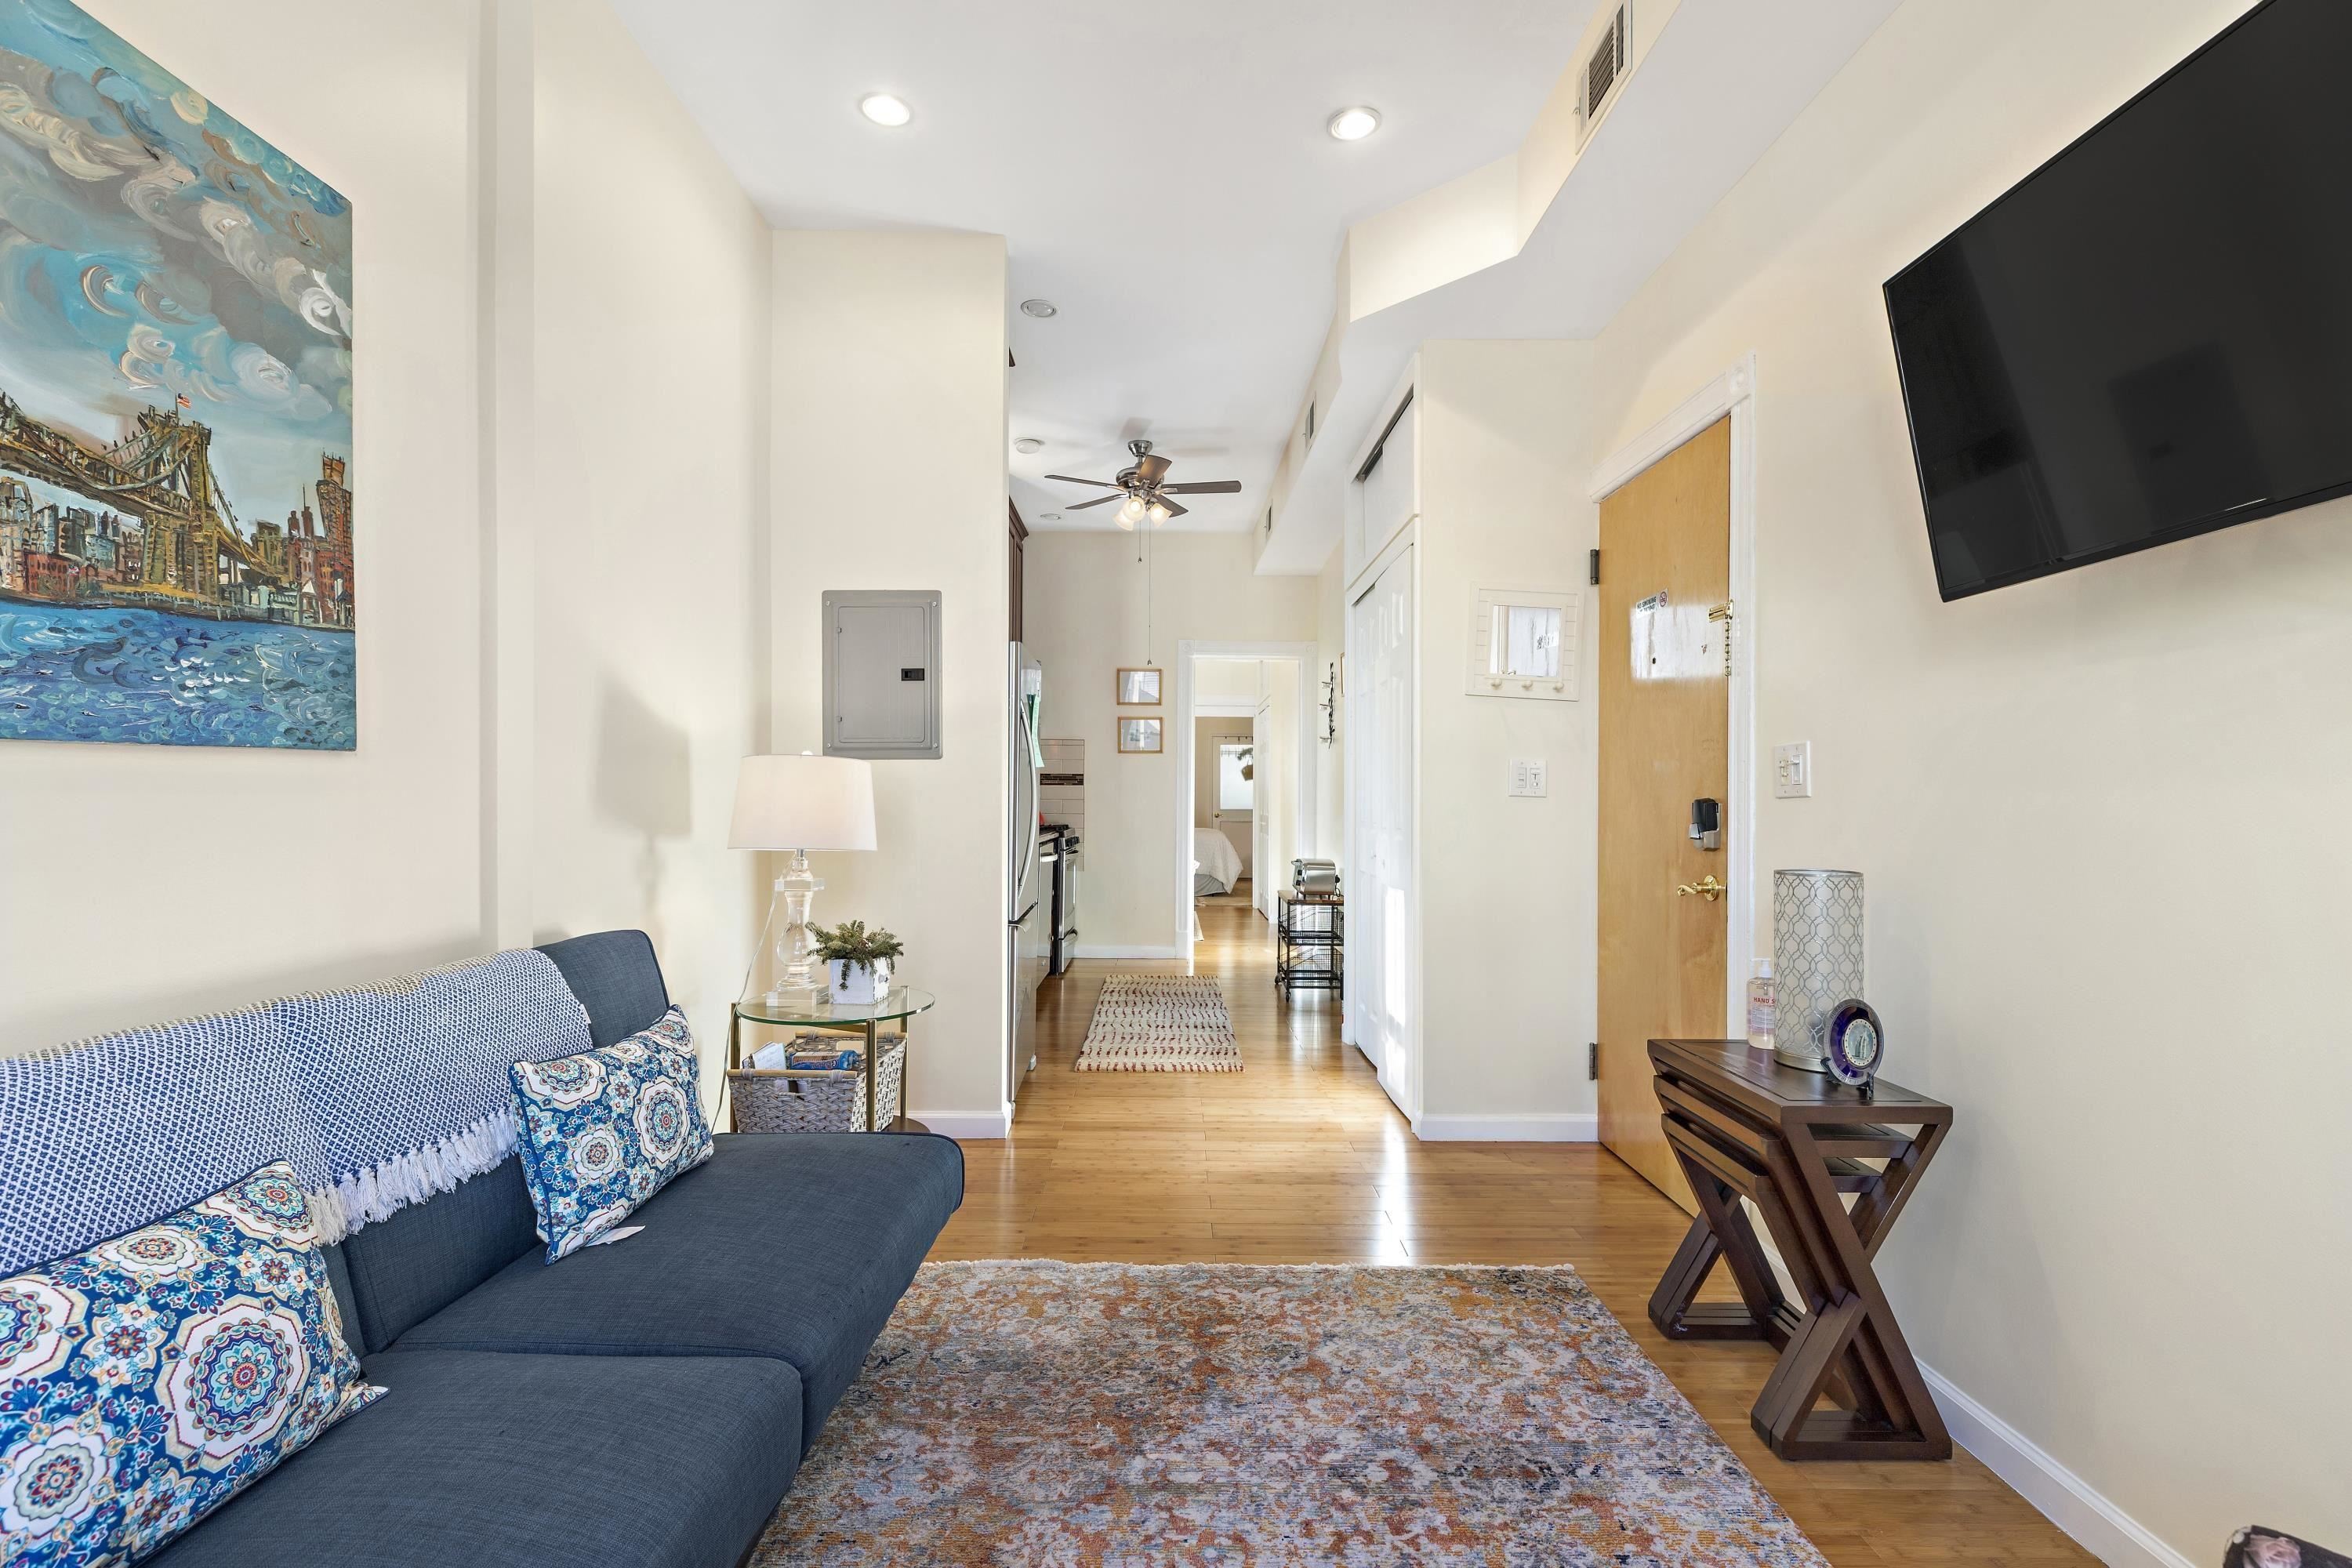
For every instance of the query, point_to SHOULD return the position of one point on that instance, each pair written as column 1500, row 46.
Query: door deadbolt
column 1707, row 824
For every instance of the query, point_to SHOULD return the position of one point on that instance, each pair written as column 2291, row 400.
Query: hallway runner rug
column 1115, row 1414
column 1161, row 1023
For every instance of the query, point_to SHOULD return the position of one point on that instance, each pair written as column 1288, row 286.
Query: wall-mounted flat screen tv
column 2151, row 337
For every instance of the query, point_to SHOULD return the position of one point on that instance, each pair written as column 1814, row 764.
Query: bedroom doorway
column 1245, row 778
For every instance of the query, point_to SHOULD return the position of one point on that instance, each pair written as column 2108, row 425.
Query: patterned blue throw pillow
column 603, row 1130
column 145, row 1382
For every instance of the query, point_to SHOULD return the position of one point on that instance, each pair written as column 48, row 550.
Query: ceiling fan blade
column 1173, row 510
column 1151, row 467
column 1206, row 488
column 1098, row 500
column 1074, row 479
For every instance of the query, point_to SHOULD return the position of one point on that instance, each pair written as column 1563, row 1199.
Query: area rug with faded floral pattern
column 1121, row 1413
column 1161, row 1023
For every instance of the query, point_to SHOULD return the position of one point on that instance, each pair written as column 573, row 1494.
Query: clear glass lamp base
column 784, row 965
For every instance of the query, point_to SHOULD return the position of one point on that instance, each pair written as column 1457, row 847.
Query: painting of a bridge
column 175, row 410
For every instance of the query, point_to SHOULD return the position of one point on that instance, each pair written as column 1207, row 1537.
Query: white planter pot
column 858, row 984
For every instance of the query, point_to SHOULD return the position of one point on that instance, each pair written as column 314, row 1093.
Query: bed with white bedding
column 1216, row 865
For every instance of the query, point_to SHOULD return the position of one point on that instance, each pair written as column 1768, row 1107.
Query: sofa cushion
column 792, row 1245
column 616, row 978
column 411, row 1263
column 527, row 1461
column 605, row 1130
column 146, row 1381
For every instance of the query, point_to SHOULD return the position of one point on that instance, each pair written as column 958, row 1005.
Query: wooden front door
column 1664, row 688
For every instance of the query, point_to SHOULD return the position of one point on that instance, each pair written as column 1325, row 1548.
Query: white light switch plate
column 1792, row 771
column 1528, row 776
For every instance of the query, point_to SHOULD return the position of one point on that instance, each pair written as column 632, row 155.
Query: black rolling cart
column 1311, row 934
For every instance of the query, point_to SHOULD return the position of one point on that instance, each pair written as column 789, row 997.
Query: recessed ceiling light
column 1041, row 309
column 884, row 110
column 1355, row 125
column 1049, row 517
column 1028, row 444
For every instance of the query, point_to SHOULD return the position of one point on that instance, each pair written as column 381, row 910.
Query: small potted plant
column 858, row 961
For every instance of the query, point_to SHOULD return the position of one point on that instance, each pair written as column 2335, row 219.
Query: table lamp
column 801, row 802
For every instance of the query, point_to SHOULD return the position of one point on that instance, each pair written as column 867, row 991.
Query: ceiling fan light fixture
column 885, row 108
column 1353, row 124
column 1158, row 514
column 1132, row 512
column 1043, row 310
column 1028, row 444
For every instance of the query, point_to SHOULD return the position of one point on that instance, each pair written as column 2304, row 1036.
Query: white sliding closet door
column 1380, row 891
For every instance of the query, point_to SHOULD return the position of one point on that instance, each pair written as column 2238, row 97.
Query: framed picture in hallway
column 1138, row 734
column 175, row 411
column 1138, row 689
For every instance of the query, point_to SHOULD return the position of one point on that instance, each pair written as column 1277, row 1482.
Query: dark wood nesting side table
column 1795, row 1143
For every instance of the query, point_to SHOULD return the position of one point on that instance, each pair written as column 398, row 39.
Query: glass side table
column 865, row 1019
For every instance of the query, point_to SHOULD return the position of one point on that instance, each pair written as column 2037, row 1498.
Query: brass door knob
column 1706, row 888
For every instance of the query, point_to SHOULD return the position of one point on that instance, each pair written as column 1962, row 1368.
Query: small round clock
column 1856, row 1043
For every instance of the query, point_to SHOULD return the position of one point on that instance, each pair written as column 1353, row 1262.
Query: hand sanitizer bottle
column 1761, row 1007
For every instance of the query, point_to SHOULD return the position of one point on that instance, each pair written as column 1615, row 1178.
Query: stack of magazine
column 807, row 1053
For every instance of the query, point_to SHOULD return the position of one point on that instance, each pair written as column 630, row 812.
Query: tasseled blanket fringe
column 384, row 1188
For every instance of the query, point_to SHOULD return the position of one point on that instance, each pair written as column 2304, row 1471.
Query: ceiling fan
column 1143, row 491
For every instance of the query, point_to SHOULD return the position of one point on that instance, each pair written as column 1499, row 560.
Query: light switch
column 1792, row 771
column 1528, row 776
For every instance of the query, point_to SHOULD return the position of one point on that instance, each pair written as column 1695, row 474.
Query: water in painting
column 175, row 410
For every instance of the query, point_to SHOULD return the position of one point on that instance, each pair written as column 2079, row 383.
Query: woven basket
column 785, row 1100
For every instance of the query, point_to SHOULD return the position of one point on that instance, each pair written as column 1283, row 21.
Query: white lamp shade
column 804, row 803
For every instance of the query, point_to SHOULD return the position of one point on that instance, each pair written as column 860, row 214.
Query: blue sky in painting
column 152, row 248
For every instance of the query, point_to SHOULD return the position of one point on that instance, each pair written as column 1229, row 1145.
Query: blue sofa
column 643, row 1404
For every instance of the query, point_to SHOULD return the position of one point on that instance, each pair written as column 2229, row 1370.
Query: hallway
column 1301, row 1159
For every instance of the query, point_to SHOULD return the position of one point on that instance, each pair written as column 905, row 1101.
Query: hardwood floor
column 1301, row 1159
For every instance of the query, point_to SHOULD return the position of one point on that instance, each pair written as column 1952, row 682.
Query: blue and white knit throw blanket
column 380, row 1097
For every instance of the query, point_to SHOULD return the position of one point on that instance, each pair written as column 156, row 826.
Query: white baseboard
column 2064, row 1498
column 2070, row 1502
column 1581, row 1127
column 973, row 1124
column 1084, row 951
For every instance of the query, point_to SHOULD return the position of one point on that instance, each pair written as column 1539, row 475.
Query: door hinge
column 1593, row 1061
column 1596, row 568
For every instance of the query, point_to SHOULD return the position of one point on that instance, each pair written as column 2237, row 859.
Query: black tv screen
column 2151, row 337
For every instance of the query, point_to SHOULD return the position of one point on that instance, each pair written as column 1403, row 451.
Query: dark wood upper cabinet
column 1015, row 536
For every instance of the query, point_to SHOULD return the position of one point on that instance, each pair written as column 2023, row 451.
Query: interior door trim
column 1730, row 395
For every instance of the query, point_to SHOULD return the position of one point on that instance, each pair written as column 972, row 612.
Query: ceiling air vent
column 1604, row 68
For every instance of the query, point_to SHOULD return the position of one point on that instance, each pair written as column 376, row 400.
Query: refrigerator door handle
column 1022, row 918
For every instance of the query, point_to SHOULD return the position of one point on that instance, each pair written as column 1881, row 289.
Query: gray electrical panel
column 881, row 673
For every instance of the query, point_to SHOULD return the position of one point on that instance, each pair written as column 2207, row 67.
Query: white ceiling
column 1161, row 173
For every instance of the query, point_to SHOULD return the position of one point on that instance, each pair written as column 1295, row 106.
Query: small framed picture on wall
column 1138, row 689
column 1138, row 734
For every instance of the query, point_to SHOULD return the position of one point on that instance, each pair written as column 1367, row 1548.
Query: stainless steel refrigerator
column 1027, row 914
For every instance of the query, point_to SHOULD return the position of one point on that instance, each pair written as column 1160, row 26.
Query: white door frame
column 1734, row 394
column 1187, row 650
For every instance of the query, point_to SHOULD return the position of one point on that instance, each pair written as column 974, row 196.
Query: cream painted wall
column 1086, row 612
column 650, row 431
column 1507, row 1012
column 2104, row 917
column 890, row 358
column 1332, row 760
column 151, row 881
column 625, row 680
column 1279, row 782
